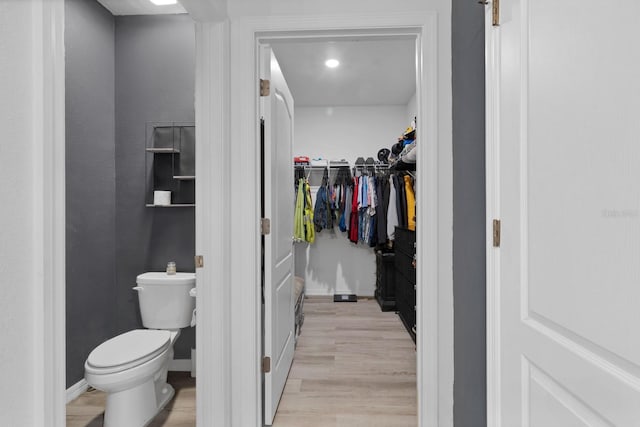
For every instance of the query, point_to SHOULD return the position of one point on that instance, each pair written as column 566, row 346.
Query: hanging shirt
column 382, row 191
column 298, row 216
column 411, row 203
column 353, row 221
column 392, row 211
column 309, row 229
column 348, row 201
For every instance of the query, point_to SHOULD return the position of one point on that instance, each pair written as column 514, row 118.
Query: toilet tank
column 164, row 299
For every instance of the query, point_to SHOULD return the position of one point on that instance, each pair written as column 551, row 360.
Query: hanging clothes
column 303, row 228
column 411, row 203
column 382, row 188
column 400, row 203
column 392, row 209
column 320, row 214
column 309, row 229
column 353, row 221
column 298, row 216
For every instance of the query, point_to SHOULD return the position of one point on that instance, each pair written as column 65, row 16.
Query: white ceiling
column 379, row 71
column 371, row 72
column 139, row 7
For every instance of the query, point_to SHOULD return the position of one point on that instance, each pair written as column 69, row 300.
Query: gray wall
column 469, row 214
column 155, row 82
column 120, row 73
column 91, row 181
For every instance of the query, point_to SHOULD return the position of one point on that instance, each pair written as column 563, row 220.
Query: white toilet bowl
column 132, row 367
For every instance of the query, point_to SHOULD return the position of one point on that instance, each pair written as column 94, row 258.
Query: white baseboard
column 76, row 390
column 180, row 365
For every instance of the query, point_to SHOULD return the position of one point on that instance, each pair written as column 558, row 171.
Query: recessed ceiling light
column 163, row 2
column 332, row 63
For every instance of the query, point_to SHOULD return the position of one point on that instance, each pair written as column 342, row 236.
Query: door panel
column 566, row 130
column 277, row 112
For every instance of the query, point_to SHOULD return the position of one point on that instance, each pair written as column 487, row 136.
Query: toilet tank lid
column 162, row 278
column 134, row 347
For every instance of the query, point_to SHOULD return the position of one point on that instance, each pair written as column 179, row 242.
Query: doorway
column 344, row 113
column 129, row 132
column 435, row 361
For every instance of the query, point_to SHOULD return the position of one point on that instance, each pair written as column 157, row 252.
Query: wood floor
column 354, row 366
column 88, row 409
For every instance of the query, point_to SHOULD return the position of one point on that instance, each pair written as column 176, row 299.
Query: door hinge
column 266, row 364
column 265, row 226
column 199, row 261
column 495, row 12
column 496, row 233
column 265, row 86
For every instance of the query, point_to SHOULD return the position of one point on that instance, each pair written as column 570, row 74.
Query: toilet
column 132, row 367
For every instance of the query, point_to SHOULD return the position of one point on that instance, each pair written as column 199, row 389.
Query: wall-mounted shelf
column 170, row 162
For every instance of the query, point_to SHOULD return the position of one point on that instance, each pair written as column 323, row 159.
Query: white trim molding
column 212, row 225
column 434, row 199
column 49, row 213
column 492, row 173
column 76, row 390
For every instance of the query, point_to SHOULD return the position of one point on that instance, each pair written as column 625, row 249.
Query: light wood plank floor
column 354, row 366
column 88, row 409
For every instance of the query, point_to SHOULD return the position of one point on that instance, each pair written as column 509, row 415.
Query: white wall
column 333, row 264
column 18, row 277
column 412, row 108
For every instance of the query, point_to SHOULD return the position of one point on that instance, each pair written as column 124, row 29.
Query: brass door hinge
column 496, row 233
column 265, row 86
column 495, row 12
column 265, row 226
column 199, row 261
column 266, row 364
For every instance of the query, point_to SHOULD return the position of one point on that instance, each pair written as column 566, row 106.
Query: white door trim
column 492, row 173
column 49, row 214
column 213, row 172
column 435, row 319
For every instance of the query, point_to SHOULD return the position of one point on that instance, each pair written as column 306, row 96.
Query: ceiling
column 139, row 7
column 371, row 71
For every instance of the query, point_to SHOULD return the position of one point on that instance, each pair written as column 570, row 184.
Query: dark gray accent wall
column 90, row 181
column 469, row 281
column 155, row 82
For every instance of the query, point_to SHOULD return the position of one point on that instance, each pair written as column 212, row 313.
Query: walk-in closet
column 354, row 165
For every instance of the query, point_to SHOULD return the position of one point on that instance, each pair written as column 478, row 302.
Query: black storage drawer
column 385, row 280
column 404, row 266
column 405, row 277
column 405, row 241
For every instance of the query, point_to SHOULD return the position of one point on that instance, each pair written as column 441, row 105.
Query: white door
column 563, row 159
column 277, row 111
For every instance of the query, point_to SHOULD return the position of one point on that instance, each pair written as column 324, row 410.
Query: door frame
column 492, row 183
column 434, row 206
column 48, row 192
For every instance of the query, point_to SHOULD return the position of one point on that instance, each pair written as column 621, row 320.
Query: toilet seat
column 128, row 350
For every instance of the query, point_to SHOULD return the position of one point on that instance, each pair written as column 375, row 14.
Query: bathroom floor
column 354, row 366
column 88, row 409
